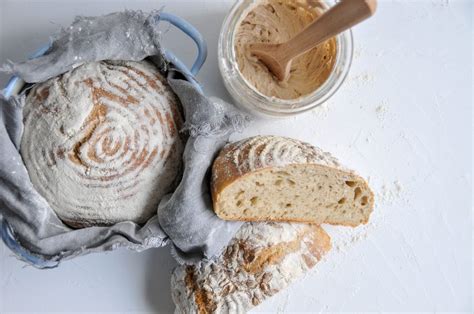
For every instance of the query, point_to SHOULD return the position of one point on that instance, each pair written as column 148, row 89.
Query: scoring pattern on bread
column 101, row 142
column 261, row 260
column 258, row 152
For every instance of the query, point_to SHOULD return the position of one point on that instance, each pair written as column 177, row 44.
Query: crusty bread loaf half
column 261, row 260
column 101, row 142
column 272, row 178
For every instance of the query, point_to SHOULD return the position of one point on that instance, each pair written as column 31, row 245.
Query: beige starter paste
column 277, row 21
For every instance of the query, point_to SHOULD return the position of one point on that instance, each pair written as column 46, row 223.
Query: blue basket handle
column 192, row 32
column 7, row 236
column 15, row 84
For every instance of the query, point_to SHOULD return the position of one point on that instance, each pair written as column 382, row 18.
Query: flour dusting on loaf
column 261, row 260
column 274, row 151
column 273, row 178
column 101, row 142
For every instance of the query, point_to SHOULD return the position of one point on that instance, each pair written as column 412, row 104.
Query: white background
column 403, row 118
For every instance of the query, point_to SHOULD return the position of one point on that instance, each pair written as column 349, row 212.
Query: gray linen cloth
column 29, row 225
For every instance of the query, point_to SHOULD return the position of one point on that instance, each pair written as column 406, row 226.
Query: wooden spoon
column 347, row 13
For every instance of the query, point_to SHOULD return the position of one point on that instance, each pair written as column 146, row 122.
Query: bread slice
column 261, row 260
column 272, row 178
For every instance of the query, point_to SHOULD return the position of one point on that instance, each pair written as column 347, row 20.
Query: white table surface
column 403, row 118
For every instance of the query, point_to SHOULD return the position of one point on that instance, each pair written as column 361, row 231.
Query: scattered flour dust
column 389, row 193
column 361, row 79
column 357, row 53
column 369, row 138
column 322, row 110
column 347, row 236
column 381, row 110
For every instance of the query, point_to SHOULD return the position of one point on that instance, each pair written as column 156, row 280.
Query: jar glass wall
column 247, row 97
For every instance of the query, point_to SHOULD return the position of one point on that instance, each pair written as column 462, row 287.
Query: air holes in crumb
column 246, row 211
column 319, row 187
column 288, row 205
column 344, row 212
column 363, row 201
column 239, row 203
column 357, row 192
column 291, row 182
column 278, row 182
column 351, row 183
column 253, row 200
column 342, row 200
column 239, row 194
column 258, row 183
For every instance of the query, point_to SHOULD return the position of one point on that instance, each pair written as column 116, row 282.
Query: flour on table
column 389, row 193
column 322, row 110
column 381, row 110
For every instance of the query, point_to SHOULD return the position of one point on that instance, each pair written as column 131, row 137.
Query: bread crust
column 232, row 164
column 261, row 260
column 101, row 142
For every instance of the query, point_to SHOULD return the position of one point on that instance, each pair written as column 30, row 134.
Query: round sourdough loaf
column 101, row 142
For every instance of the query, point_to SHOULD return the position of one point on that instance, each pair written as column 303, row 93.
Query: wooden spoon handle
column 337, row 19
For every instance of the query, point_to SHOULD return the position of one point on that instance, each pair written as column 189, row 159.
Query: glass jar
column 249, row 98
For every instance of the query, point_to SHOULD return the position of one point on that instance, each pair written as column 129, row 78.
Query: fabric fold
column 186, row 216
